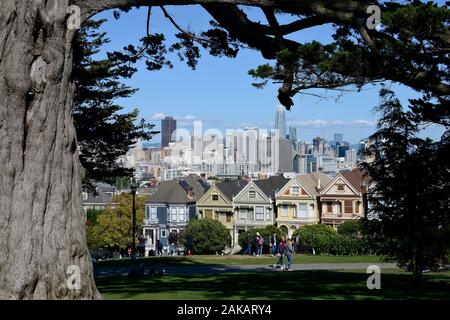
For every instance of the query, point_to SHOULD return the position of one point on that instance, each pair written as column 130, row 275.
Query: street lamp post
column 133, row 192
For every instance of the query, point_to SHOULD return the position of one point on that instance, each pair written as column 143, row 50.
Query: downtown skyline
column 220, row 92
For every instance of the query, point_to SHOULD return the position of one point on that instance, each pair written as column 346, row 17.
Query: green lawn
column 240, row 260
column 274, row 285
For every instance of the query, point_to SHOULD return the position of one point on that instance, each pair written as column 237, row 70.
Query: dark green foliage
column 104, row 132
column 409, row 202
column 208, row 236
column 413, row 40
column 349, row 228
column 323, row 239
column 91, row 216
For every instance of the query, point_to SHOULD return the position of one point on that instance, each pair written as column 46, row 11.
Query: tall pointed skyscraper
column 280, row 121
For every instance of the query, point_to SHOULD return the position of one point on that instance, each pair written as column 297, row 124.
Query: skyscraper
column 293, row 138
column 168, row 127
column 338, row 138
column 292, row 134
column 280, row 121
column 251, row 145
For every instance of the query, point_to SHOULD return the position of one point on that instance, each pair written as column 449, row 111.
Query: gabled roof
column 338, row 177
column 198, row 184
column 232, row 187
column 241, row 196
column 308, row 182
column 311, row 182
column 358, row 179
column 177, row 191
column 272, row 185
column 104, row 194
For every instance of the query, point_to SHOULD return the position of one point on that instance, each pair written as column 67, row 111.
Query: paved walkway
column 199, row 269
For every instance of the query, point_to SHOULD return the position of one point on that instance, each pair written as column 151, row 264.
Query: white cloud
column 189, row 117
column 324, row 123
column 363, row 122
column 158, row 116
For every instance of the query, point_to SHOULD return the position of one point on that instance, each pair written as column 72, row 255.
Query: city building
column 168, row 131
column 297, row 202
column 293, row 138
column 171, row 207
column 338, row 138
column 285, row 156
column 342, row 198
column 351, row 156
column 280, row 121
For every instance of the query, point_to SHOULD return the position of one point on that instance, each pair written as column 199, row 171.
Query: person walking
column 260, row 245
column 288, row 252
column 297, row 244
column 159, row 248
column 142, row 241
column 248, row 250
column 273, row 244
column 255, row 244
column 280, row 254
column 190, row 243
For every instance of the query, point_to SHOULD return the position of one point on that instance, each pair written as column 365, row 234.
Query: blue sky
column 220, row 93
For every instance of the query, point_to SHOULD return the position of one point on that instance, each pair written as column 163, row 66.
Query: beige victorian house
column 217, row 203
column 297, row 202
column 342, row 198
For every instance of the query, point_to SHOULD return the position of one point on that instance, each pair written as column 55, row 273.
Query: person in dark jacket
column 273, row 243
column 248, row 250
column 281, row 249
column 297, row 244
column 159, row 248
column 189, row 243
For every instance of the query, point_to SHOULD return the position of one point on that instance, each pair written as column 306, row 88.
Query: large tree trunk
column 41, row 217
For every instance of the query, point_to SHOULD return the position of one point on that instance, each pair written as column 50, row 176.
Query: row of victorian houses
column 244, row 204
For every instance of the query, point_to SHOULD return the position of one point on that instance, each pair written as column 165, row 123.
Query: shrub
column 349, row 228
column 325, row 240
column 208, row 236
column 320, row 237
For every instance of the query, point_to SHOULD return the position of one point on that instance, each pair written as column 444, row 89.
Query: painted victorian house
column 254, row 206
column 343, row 198
column 217, row 202
column 297, row 202
column 171, row 207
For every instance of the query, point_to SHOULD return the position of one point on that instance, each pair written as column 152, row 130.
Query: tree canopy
column 409, row 47
column 104, row 131
column 409, row 200
column 113, row 228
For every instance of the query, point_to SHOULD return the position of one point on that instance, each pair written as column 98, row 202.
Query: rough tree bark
column 41, row 218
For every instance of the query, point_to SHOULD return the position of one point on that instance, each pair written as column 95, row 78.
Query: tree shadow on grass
column 272, row 285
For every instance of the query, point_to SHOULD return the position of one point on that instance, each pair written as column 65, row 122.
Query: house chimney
column 190, row 194
column 318, row 184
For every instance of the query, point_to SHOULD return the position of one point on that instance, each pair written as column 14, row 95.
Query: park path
column 211, row 269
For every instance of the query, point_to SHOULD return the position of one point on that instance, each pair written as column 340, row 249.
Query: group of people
column 254, row 245
column 283, row 249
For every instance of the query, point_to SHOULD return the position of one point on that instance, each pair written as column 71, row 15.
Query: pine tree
column 409, row 200
column 104, row 132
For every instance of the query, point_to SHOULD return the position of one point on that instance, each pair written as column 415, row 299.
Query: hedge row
column 323, row 239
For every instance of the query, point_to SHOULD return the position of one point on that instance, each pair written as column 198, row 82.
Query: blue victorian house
column 171, row 208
